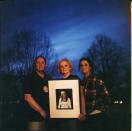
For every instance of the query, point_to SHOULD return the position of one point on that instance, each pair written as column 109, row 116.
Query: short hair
column 34, row 64
column 40, row 57
column 69, row 62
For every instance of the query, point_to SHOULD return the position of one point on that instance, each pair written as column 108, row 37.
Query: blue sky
column 71, row 25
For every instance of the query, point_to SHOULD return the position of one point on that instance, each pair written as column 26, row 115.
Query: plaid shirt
column 96, row 95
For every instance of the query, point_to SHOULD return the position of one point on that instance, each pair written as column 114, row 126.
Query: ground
column 13, row 119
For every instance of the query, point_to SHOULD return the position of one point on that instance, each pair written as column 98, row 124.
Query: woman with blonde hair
column 65, row 68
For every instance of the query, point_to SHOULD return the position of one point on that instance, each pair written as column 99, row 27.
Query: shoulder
column 30, row 75
column 69, row 99
column 74, row 77
column 48, row 76
column 60, row 99
column 97, row 79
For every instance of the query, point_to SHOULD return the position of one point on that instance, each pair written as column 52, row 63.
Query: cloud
column 71, row 26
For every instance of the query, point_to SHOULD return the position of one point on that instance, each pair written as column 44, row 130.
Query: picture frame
column 64, row 99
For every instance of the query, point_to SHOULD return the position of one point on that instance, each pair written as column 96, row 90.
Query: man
column 36, row 91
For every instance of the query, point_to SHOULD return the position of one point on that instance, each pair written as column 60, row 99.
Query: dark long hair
column 90, row 64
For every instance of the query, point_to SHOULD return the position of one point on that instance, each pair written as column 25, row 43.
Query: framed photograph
column 64, row 98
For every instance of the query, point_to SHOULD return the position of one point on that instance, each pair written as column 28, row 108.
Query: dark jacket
column 96, row 95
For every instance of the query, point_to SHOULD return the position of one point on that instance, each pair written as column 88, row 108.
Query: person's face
column 65, row 67
column 85, row 67
column 40, row 64
column 64, row 95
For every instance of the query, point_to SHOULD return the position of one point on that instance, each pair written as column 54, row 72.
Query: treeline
column 108, row 57
column 112, row 64
column 19, row 55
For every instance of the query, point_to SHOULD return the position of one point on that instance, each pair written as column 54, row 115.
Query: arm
column 83, row 109
column 33, row 104
column 103, row 100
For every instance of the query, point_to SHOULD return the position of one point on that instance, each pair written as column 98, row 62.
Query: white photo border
column 64, row 84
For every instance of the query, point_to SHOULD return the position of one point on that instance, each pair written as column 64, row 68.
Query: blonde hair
column 63, row 92
column 58, row 65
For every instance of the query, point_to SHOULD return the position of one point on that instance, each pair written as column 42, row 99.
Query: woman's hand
column 82, row 117
column 45, row 89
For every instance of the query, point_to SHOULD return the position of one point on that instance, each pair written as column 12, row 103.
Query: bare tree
column 27, row 45
column 105, row 55
column 23, row 48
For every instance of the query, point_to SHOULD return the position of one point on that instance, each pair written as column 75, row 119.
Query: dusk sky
column 71, row 25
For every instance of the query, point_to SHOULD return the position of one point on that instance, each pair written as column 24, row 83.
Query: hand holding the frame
column 43, row 114
column 45, row 89
column 33, row 104
column 82, row 117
